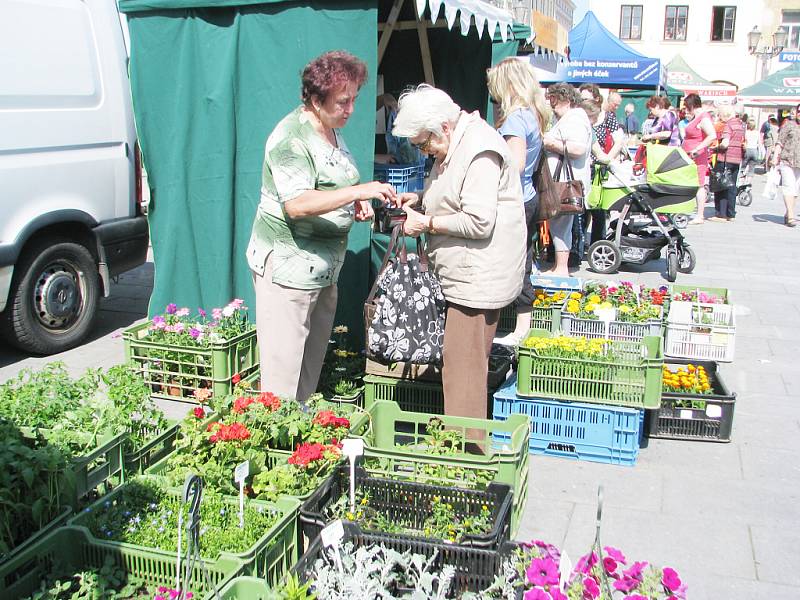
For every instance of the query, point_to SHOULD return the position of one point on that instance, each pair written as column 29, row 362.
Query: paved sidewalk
column 724, row 515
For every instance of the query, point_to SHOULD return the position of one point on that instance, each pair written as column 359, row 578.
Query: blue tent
column 598, row 56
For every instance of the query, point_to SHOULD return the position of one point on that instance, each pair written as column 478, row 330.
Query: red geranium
column 326, row 418
column 199, row 412
column 266, row 399
column 307, row 453
column 228, row 433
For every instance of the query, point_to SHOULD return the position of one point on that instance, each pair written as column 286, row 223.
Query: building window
column 723, row 22
column 630, row 22
column 791, row 21
column 675, row 20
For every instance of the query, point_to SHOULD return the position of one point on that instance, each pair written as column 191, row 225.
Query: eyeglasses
column 423, row 147
column 493, row 100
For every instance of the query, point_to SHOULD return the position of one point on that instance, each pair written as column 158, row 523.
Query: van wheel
column 54, row 297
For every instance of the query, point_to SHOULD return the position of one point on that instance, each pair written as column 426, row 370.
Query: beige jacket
column 478, row 251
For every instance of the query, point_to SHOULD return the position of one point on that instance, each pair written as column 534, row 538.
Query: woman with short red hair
column 310, row 195
column 665, row 129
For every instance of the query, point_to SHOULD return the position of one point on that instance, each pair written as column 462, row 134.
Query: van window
column 48, row 55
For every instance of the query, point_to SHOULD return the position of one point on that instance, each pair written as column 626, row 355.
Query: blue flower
column 161, row 529
column 222, row 511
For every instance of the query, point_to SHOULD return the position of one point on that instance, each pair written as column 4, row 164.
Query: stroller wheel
column 604, row 257
column 686, row 260
column 672, row 265
column 744, row 197
column 680, row 220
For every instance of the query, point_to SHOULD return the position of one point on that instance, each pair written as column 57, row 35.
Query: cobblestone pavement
column 724, row 515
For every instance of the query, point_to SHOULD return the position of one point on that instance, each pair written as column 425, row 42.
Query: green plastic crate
column 541, row 318
column 99, row 467
column 423, row 396
column 270, row 557
column 630, row 379
column 714, row 291
column 158, row 445
column 73, row 549
column 175, row 372
column 245, row 588
column 396, row 435
column 55, row 523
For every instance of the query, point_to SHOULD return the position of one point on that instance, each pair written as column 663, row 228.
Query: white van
column 70, row 194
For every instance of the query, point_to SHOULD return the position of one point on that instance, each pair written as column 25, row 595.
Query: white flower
column 228, row 311
column 340, row 329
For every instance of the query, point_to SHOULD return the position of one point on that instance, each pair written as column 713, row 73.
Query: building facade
column 711, row 35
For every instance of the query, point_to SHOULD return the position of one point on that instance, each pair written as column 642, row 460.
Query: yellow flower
column 340, row 329
column 624, row 308
column 573, row 306
column 575, row 295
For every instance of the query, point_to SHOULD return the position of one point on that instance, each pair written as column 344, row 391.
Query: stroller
column 646, row 195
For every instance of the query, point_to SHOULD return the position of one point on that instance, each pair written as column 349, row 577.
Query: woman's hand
column 415, row 223
column 375, row 189
column 407, row 199
column 364, row 210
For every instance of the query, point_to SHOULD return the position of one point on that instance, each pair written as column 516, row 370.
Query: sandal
column 790, row 222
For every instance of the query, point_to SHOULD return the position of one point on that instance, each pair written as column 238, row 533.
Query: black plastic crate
column 677, row 419
column 408, row 503
column 476, row 568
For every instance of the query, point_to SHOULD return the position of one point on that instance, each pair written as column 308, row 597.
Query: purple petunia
column 610, row 566
column 542, row 571
column 590, row 589
column 635, row 570
column 628, row 584
column 195, row 332
column 537, row 594
column 670, row 579
column 616, row 554
column 172, row 308
column 586, row 563
column 201, row 312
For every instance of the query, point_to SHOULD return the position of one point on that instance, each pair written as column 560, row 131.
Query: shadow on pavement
column 765, row 218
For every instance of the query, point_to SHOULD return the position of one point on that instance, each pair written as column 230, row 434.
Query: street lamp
column 766, row 53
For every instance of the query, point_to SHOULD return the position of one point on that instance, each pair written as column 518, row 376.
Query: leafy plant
column 109, row 582
column 143, row 513
column 378, row 572
column 291, row 589
column 176, row 327
column 345, row 387
column 342, row 366
column 31, row 481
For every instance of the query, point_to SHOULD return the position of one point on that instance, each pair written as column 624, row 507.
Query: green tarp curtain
column 209, row 84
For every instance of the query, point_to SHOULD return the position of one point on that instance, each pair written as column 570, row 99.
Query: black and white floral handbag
column 404, row 312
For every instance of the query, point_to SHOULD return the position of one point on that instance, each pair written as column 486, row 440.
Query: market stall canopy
column 779, row 89
column 487, row 18
column 598, row 56
column 681, row 76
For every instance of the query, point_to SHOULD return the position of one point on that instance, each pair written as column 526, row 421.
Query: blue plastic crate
column 593, row 432
column 555, row 283
column 404, row 178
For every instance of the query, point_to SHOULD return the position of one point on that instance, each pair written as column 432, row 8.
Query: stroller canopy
column 671, row 171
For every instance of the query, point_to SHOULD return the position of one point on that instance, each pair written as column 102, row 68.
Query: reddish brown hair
column 658, row 101
column 329, row 71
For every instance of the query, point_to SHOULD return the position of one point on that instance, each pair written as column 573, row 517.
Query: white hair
column 424, row 109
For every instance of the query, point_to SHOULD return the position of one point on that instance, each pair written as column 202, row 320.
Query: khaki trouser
column 293, row 328
column 468, row 335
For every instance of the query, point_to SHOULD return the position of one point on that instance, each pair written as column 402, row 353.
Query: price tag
column 606, row 315
column 353, row 447
column 332, row 534
column 241, row 472
column 565, row 570
column 713, row 411
column 686, row 414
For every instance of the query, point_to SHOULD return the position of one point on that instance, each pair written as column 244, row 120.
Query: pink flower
column 670, row 579
column 635, row 571
column 182, row 312
column 537, row 594
column 542, row 571
column 615, row 554
column 586, row 563
column 610, row 565
column 195, row 333
column 179, row 328
column 172, row 308
column 636, row 597
column 216, row 313
column 556, row 594
column 201, row 312
column 627, row 584
column 590, row 589
column 237, row 302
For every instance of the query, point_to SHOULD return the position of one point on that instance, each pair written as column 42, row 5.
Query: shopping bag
column 772, row 184
column 405, row 309
column 570, row 191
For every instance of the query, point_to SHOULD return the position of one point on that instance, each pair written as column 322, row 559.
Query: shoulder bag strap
column 390, row 251
column 423, row 256
column 560, row 165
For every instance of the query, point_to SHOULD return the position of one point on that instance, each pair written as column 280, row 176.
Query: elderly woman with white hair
column 474, row 222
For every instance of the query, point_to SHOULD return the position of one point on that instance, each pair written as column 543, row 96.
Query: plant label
column 564, row 570
column 713, row 411
column 332, row 534
column 686, row 414
column 352, row 447
column 241, row 472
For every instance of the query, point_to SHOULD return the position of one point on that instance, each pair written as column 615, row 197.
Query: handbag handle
column 390, row 250
column 563, row 159
column 421, row 254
